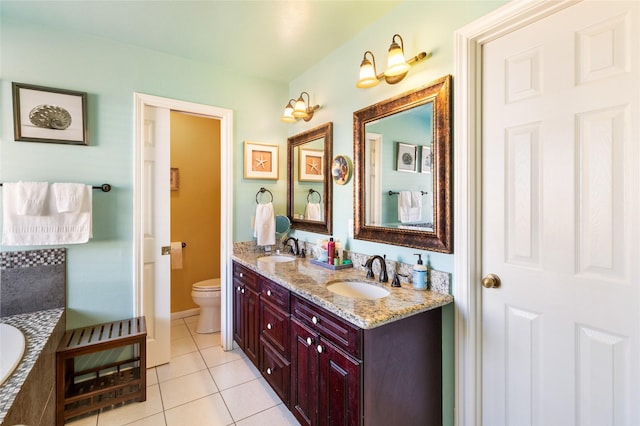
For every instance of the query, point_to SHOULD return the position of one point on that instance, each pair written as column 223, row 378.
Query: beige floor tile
column 187, row 388
column 249, row 398
column 234, row 373
column 278, row 415
column 204, row 341
column 216, row 355
column 155, row 420
column 179, row 330
column 183, row 346
column 152, row 376
column 180, row 366
column 207, row 411
column 84, row 421
column 133, row 411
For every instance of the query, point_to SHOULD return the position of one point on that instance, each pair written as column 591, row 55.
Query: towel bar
column 105, row 187
column 396, row 193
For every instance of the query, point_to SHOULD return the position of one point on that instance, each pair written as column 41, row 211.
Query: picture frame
column 174, row 182
column 260, row 161
column 406, row 157
column 48, row 115
column 426, row 159
column 311, row 165
column 341, row 169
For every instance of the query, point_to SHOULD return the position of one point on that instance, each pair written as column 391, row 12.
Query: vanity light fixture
column 296, row 109
column 397, row 66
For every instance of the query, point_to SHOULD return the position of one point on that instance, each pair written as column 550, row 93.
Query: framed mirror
column 309, row 186
column 402, row 161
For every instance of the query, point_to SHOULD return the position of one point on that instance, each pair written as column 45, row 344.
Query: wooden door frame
column 226, row 200
column 468, row 192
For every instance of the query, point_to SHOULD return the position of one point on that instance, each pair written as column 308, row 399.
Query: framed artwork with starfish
column 311, row 165
column 260, row 161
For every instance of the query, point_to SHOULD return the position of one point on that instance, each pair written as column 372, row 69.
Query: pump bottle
column 419, row 274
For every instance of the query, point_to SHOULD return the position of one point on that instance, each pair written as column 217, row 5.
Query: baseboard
column 184, row 314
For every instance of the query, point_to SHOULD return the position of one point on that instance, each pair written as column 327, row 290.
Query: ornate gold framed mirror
column 402, row 160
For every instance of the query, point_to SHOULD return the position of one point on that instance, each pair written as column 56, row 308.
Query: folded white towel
column 410, row 206
column 30, row 197
column 313, row 211
column 68, row 196
column 51, row 227
column 265, row 225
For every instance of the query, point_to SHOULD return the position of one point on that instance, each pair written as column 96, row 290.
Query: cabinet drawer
column 339, row 331
column 244, row 276
column 275, row 294
column 276, row 370
column 274, row 327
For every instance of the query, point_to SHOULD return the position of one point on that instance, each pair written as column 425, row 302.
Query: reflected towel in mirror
column 410, row 206
column 313, row 211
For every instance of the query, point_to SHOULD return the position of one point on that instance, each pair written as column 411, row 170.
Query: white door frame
column 226, row 199
column 468, row 196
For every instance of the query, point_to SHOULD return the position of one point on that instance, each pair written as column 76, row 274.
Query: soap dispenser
column 419, row 274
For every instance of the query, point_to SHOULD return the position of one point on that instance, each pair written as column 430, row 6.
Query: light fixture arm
column 411, row 61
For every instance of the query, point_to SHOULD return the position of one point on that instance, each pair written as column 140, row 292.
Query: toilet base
column 208, row 322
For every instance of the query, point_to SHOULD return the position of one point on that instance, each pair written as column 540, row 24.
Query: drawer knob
column 268, row 292
column 242, row 290
column 241, row 275
column 309, row 341
column 239, row 288
column 269, row 326
column 269, row 371
column 315, row 319
column 320, row 349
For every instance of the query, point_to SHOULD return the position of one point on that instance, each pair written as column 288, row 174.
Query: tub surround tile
column 34, row 378
column 309, row 281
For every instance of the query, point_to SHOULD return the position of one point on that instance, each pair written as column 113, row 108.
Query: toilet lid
column 208, row 285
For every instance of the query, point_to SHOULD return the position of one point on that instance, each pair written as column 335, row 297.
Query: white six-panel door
column 561, row 219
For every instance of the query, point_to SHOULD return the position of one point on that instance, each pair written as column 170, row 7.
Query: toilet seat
column 207, row 285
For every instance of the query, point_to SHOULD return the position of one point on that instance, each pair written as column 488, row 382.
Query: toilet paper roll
column 176, row 255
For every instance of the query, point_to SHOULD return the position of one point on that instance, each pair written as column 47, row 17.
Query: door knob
column 491, row 281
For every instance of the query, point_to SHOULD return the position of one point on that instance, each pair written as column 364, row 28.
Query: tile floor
column 201, row 386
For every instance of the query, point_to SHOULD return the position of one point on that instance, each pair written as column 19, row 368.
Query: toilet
column 206, row 294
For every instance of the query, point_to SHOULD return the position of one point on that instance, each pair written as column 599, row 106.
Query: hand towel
column 410, row 206
column 176, row 255
column 68, row 196
column 30, row 197
column 265, row 225
column 313, row 211
column 50, row 228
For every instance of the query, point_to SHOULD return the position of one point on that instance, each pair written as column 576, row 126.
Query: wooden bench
column 80, row 392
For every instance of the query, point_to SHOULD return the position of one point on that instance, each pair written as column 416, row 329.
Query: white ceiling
column 277, row 40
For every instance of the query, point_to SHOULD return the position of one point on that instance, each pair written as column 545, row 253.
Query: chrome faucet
column 383, row 268
column 295, row 250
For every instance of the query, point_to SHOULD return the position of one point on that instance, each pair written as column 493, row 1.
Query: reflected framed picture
column 260, row 161
column 311, row 165
column 406, row 157
column 45, row 114
column 426, row 159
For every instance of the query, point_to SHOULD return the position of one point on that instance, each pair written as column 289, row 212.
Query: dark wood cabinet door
column 238, row 313
column 304, row 373
column 252, row 320
column 276, row 370
column 340, row 376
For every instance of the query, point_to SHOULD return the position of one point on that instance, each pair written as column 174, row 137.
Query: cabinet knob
column 268, row 292
column 269, row 326
column 320, row 349
column 315, row 319
column 238, row 288
column 309, row 341
column 269, row 371
column 241, row 275
column 242, row 290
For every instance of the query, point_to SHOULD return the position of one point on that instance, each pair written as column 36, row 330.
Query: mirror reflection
column 309, row 189
column 402, row 151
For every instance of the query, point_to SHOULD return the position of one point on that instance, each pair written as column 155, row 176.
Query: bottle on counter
column 331, row 249
column 419, row 274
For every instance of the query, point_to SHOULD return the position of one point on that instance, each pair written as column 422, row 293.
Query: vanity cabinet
column 246, row 311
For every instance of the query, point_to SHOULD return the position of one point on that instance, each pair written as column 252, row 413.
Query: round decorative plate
column 341, row 169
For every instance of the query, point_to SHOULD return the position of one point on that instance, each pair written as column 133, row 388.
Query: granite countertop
column 309, row 281
column 37, row 328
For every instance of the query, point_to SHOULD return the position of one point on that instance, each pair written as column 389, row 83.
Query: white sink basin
column 12, row 344
column 358, row 289
column 276, row 258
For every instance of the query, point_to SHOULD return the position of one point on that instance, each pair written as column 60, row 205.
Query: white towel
column 265, row 225
column 410, row 206
column 30, row 197
column 68, row 196
column 313, row 211
column 51, row 227
column 176, row 255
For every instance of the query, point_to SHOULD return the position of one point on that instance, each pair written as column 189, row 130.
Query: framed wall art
column 260, row 161
column 44, row 114
column 406, row 157
column 425, row 159
column 341, row 169
column 311, row 165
